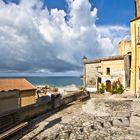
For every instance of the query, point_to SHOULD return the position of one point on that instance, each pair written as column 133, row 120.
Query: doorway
column 99, row 80
column 108, row 85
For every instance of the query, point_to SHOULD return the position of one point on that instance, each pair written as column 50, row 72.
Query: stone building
column 126, row 69
column 107, row 70
column 104, row 70
column 9, row 100
column 124, row 47
column 135, row 46
column 15, row 93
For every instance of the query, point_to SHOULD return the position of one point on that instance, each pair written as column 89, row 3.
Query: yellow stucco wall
column 124, row 47
column 135, row 64
column 116, row 71
column 27, row 98
column 114, row 65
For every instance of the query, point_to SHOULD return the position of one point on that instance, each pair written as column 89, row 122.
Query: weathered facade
column 91, row 72
column 112, row 70
column 135, row 46
column 129, row 67
column 15, row 93
column 9, row 100
column 105, row 70
column 124, row 47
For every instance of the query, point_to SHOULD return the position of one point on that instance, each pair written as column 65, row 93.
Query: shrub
column 102, row 88
column 117, row 87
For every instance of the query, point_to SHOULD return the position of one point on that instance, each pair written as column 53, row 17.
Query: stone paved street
column 95, row 119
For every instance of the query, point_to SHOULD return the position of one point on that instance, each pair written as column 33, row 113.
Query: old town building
column 16, row 93
column 124, row 67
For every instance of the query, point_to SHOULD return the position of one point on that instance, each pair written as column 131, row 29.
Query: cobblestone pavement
column 49, row 124
column 95, row 119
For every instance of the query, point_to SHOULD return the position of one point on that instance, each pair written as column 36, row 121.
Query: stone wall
column 9, row 100
column 124, row 47
column 91, row 74
column 14, row 117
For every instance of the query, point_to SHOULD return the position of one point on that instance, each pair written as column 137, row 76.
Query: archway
column 99, row 80
column 108, row 85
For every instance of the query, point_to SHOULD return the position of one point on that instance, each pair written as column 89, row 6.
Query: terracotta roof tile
column 118, row 57
column 15, row 84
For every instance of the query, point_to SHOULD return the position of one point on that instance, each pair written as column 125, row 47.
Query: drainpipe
column 135, row 60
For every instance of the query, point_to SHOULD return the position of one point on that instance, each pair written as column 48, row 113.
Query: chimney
column 137, row 5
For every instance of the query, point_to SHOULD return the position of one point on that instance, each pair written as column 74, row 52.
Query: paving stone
column 135, row 122
column 121, row 122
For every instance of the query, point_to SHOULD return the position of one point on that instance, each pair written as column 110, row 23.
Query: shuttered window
column 139, row 73
column 139, row 32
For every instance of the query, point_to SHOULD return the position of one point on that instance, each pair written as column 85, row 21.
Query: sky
column 50, row 37
column 110, row 12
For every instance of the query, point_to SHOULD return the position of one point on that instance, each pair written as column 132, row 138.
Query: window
column 138, row 37
column 108, row 71
column 139, row 73
column 138, row 31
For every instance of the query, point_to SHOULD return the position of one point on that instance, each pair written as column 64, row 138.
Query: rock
column 121, row 114
column 132, row 137
column 135, row 108
column 121, row 122
column 134, row 131
column 135, row 122
column 86, row 124
column 107, row 124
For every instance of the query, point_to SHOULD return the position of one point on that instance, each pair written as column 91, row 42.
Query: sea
column 54, row 81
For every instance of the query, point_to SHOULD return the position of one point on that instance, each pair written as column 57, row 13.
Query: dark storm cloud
column 34, row 40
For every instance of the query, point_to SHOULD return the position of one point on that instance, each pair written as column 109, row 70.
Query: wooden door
column 108, row 85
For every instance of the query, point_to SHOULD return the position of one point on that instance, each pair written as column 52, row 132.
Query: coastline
column 55, row 81
column 45, row 90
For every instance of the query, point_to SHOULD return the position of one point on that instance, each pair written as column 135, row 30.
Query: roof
column 125, row 41
column 119, row 57
column 15, row 84
column 137, row 18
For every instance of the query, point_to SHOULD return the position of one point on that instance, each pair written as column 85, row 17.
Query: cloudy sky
column 52, row 36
